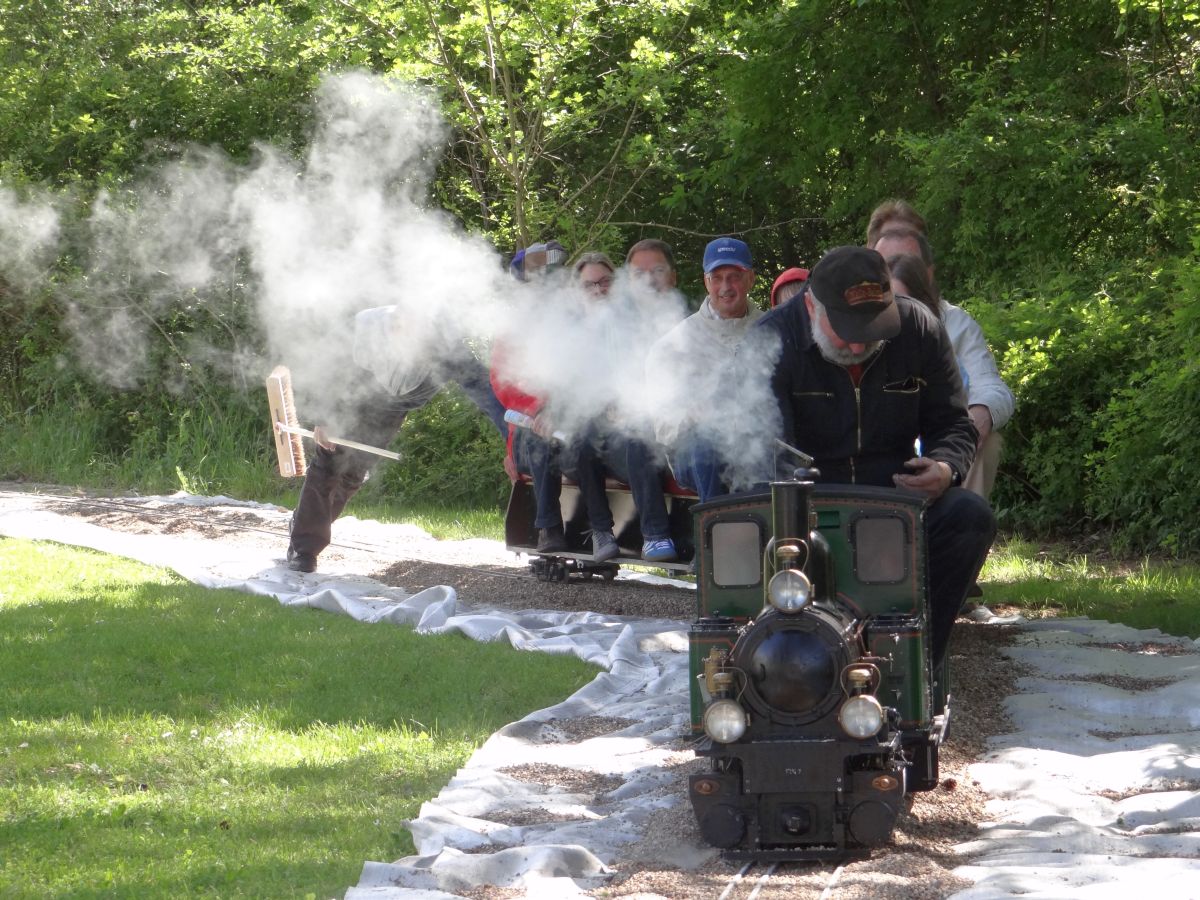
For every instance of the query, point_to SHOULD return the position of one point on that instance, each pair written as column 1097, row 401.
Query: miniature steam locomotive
column 812, row 684
column 812, row 689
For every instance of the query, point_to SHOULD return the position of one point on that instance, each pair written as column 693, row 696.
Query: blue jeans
column 633, row 462
column 589, row 461
column 698, row 468
column 540, row 458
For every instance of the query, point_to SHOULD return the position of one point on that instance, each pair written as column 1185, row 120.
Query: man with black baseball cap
column 862, row 375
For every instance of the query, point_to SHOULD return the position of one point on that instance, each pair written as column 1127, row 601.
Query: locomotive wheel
column 871, row 822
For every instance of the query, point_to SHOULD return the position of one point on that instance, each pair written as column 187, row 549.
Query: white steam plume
column 29, row 231
column 297, row 246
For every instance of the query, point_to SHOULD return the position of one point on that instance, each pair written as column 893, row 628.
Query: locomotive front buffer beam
column 807, row 800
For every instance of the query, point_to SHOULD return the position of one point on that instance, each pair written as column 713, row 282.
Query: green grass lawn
column 161, row 740
column 1049, row 580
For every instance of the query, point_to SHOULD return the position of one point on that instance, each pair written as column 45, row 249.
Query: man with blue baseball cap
column 696, row 363
column 728, row 276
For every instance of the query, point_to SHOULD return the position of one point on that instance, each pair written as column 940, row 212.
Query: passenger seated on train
column 699, row 353
column 598, row 448
column 533, row 451
column 610, row 443
column 789, row 284
column 861, row 375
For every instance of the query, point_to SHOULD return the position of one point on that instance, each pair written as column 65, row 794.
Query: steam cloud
column 29, row 233
column 296, row 247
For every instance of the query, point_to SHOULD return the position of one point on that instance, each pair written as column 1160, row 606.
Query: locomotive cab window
column 736, row 553
column 881, row 549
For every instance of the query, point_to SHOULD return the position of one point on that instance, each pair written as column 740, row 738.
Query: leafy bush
column 1067, row 349
column 451, row 454
column 1146, row 484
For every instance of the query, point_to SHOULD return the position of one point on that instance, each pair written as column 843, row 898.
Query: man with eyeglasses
column 652, row 262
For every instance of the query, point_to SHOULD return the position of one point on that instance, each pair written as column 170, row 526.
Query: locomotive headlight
column 861, row 716
column 789, row 590
column 724, row 721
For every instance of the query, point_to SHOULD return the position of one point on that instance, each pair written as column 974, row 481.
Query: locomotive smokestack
column 791, row 509
column 794, row 519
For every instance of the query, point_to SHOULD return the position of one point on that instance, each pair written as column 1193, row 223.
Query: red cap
column 786, row 277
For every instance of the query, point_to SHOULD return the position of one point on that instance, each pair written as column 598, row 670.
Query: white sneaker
column 977, row 612
column 604, row 546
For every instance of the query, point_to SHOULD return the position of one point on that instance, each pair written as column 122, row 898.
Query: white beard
column 839, row 356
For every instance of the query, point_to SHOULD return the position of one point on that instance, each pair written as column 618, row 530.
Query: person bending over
column 391, row 382
column 861, row 375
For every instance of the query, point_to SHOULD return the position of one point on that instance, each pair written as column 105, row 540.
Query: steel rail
column 735, row 880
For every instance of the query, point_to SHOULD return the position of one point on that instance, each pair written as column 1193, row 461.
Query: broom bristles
column 288, row 447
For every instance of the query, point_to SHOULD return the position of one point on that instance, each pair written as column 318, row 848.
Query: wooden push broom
column 286, row 428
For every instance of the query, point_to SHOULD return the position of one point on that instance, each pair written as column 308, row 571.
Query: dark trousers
column 542, row 460
column 334, row 476
column 959, row 529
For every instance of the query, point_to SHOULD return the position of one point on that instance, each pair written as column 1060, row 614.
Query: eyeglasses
column 656, row 272
column 605, row 282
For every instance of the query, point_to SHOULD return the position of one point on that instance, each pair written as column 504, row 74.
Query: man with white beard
column 861, row 375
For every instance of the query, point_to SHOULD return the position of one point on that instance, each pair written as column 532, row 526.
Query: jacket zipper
column 858, row 412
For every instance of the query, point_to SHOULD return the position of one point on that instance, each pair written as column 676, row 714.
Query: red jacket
column 508, row 393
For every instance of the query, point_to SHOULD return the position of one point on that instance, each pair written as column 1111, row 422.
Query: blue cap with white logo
column 727, row 251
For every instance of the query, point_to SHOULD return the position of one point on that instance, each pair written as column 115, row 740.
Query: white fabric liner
column 1053, row 836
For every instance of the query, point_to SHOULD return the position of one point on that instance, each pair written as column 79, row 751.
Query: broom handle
column 345, row 442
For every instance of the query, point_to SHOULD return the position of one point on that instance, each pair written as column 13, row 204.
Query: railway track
column 754, row 880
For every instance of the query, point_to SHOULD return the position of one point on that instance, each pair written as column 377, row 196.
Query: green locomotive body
column 812, row 690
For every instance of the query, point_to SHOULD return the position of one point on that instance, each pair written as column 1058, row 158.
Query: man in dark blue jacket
column 862, row 375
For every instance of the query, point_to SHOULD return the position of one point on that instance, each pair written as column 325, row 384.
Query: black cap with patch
column 853, row 285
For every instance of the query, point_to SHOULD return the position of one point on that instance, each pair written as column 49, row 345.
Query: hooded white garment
column 383, row 346
column 692, row 365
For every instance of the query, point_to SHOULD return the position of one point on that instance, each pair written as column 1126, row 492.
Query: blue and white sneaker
column 662, row 550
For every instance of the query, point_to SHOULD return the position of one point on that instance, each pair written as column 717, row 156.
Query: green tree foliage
column 1051, row 146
